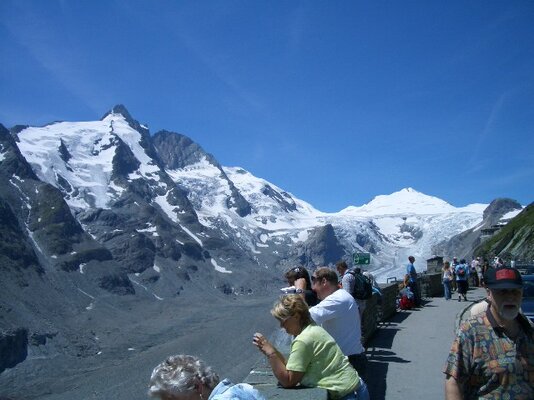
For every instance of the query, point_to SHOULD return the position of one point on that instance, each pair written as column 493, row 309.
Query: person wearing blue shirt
column 462, row 275
column 412, row 283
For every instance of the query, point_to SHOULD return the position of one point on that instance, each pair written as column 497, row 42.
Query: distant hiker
column 498, row 262
column 354, row 282
column 485, row 267
column 414, row 284
column 183, row 376
column 301, row 275
column 315, row 359
column 453, row 270
column 338, row 314
column 492, row 356
column 480, row 272
column 447, row 279
column 462, row 276
column 473, row 275
column 374, row 284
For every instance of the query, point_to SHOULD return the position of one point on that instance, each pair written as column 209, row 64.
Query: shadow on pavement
column 379, row 355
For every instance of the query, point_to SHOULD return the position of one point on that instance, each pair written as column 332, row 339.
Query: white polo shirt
column 338, row 314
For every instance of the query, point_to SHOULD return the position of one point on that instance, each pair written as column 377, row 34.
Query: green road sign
column 362, row 258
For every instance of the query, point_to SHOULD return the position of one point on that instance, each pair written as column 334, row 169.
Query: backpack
column 363, row 288
column 406, row 303
column 461, row 271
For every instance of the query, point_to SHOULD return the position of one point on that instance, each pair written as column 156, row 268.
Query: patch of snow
column 509, row 215
column 87, row 294
column 92, row 147
column 150, row 229
column 192, row 235
column 219, row 268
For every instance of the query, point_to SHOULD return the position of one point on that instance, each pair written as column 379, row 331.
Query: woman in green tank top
column 315, row 360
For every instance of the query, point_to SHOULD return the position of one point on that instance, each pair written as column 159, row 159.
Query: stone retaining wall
column 431, row 285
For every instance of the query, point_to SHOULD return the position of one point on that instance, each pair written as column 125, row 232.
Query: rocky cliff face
column 515, row 241
column 463, row 245
column 321, row 248
column 88, row 211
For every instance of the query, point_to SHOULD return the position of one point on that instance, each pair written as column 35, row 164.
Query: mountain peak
column 121, row 109
column 404, row 201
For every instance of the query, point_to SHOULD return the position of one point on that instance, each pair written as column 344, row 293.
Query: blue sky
column 333, row 101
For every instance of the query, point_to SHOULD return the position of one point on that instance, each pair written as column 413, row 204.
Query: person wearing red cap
column 492, row 356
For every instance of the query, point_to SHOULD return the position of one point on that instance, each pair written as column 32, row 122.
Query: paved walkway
column 407, row 354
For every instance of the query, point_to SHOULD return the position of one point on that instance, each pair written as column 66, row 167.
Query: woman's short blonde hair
column 289, row 306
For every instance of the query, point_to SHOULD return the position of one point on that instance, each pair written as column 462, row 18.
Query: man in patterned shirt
column 492, row 356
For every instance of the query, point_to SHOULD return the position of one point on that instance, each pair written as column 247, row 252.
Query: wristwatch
column 298, row 291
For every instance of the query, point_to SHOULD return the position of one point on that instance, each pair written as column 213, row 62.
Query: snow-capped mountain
column 106, row 166
column 407, row 202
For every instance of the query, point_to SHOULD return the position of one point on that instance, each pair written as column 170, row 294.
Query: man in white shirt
column 338, row 314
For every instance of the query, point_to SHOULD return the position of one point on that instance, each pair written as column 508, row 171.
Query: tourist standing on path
column 462, row 276
column 480, row 272
column 348, row 281
column 485, row 267
column 453, row 267
column 413, row 283
column 447, row 279
column 493, row 354
column 473, row 275
column 338, row 314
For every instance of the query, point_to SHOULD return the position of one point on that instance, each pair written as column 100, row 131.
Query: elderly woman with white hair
column 184, row 377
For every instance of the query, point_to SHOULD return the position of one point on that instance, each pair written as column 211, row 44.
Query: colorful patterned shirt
column 490, row 365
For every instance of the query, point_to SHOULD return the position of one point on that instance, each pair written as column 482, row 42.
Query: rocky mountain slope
column 463, row 245
column 515, row 241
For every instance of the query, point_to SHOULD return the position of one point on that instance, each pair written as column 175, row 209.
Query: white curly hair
column 180, row 374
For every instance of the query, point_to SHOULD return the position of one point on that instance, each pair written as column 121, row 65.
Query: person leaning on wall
column 315, row 359
column 182, row 377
